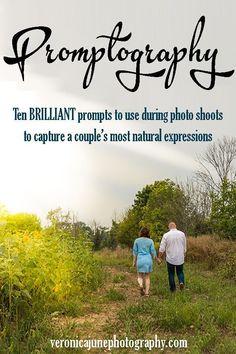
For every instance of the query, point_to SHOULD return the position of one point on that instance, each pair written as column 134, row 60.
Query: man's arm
column 159, row 257
column 185, row 244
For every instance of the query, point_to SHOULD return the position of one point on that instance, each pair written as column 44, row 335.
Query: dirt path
column 102, row 308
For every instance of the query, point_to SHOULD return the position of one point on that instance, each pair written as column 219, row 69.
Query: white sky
column 96, row 181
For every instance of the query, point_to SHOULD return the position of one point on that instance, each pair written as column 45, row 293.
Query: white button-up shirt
column 173, row 243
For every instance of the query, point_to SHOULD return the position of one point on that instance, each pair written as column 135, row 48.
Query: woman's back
column 143, row 246
column 143, row 250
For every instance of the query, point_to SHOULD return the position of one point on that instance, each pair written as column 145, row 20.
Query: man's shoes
column 181, row 286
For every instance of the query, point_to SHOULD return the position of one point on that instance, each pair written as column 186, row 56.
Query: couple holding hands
column 173, row 244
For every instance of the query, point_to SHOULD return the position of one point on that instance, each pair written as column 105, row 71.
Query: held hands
column 159, row 260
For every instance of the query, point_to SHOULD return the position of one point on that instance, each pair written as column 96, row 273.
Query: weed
column 114, row 295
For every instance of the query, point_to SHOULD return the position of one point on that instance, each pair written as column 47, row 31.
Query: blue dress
column 144, row 249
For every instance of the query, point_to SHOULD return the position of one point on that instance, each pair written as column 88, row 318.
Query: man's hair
column 144, row 232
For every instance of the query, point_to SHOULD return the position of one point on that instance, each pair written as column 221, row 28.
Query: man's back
column 174, row 244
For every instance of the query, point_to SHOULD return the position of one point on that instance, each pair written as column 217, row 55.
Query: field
column 204, row 313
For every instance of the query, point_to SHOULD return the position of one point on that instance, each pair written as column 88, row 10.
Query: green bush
column 40, row 272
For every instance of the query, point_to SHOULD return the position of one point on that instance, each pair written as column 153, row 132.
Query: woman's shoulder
column 138, row 239
column 144, row 239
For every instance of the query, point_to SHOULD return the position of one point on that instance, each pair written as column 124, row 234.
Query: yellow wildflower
column 25, row 238
column 56, row 288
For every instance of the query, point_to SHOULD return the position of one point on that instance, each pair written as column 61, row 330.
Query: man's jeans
column 171, row 274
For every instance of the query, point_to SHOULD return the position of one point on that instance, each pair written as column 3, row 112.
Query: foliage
column 20, row 222
column 166, row 202
column 114, row 295
column 223, row 214
column 99, row 237
column 217, row 164
column 128, row 228
column 194, row 211
column 119, row 278
column 111, row 240
column 215, row 253
column 67, row 222
column 41, row 270
column 197, row 208
column 154, row 207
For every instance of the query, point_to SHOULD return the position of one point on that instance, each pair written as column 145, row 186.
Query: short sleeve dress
column 144, row 249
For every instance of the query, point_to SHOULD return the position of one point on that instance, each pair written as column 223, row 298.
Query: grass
column 213, row 253
column 114, row 295
column 121, row 258
column 204, row 313
column 119, row 278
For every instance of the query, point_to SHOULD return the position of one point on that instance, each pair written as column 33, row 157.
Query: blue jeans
column 171, row 274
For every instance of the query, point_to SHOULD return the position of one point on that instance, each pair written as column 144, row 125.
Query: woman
column 143, row 250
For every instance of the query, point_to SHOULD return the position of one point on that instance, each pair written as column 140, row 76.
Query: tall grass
column 215, row 253
column 120, row 257
column 40, row 272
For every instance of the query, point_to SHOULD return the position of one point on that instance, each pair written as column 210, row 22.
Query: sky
column 99, row 181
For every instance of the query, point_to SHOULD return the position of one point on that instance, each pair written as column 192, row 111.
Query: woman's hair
column 144, row 232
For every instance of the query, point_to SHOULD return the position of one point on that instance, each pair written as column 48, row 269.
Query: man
column 173, row 243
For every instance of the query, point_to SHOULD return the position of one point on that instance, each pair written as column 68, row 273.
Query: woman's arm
column 153, row 251
column 135, row 253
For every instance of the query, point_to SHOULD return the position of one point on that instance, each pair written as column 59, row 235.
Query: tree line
column 203, row 204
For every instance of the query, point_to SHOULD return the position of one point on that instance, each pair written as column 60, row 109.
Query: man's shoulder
column 175, row 231
column 167, row 234
column 181, row 233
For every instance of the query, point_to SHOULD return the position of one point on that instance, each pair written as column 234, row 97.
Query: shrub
column 214, row 252
column 40, row 271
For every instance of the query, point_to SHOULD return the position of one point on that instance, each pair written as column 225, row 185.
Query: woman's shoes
column 142, row 292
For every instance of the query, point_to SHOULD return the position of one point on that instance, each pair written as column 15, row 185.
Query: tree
column 154, row 207
column 111, row 240
column 217, row 177
column 60, row 219
column 223, row 216
column 197, row 208
column 217, row 164
column 68, row 223
column 166, row 203
column 128, row 228
column 99, row 236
